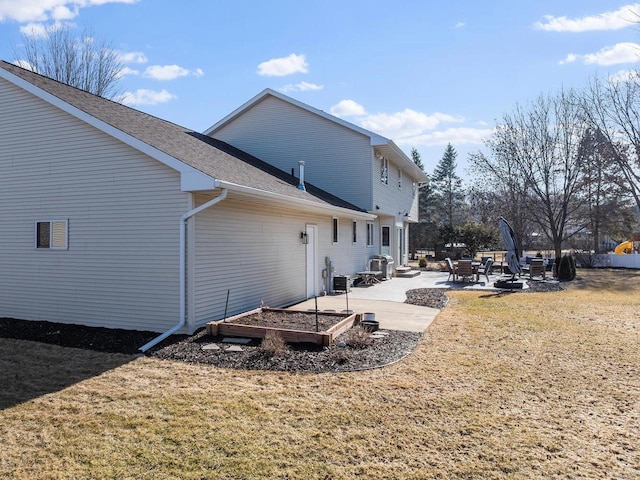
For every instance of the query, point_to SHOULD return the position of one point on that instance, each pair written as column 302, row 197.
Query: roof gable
column 385, row 145
column 204, row 164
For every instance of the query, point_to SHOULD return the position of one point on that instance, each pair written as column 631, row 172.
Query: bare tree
column 602, row 191
column 613, row 110
column 497, row 190
column 84, row 62
column 535, row 150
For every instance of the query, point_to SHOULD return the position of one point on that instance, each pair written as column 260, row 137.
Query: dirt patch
column 304, row 321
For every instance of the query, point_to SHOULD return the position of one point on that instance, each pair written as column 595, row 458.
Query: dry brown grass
column 502, row 386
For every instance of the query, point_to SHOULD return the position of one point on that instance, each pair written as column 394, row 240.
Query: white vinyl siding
column 253, row 250
column 399, row 201
column 121, row 266
column 336, row 158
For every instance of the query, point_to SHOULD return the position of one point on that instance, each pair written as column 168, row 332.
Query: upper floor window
column 334, row 230
column 399, row 178
column 52, row 234
column 415, row 188
column 384, row 170
column 354, row 232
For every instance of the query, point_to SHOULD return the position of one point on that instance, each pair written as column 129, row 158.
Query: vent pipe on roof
column 301, row 184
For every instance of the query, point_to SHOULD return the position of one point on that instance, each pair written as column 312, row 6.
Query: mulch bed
column 345, row 354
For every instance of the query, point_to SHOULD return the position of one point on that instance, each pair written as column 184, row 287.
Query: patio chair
column 486, row 268
column 465, row 269
column 452, row 270
column 537, row 268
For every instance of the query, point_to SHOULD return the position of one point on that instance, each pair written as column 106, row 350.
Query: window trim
column 335, row 230
column 370, row 230
column 54, row 231
column 384, row 170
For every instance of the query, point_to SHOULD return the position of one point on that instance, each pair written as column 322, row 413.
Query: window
column 369, row 234
column 384, row 170
column 386, row 240
column 400, row 178
column 52, row 234
column 334, row 230
column 354, row 232
column 414, row 185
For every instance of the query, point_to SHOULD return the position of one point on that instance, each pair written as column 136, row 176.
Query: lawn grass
column 543, row 385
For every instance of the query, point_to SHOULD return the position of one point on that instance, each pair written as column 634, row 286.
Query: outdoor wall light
column 304, row 238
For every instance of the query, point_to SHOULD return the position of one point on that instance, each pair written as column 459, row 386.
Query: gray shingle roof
column 211, row 157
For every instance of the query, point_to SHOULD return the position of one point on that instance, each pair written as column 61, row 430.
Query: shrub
column 274, row 344
column 566, row 268
column 422, row 262
column 357, row 337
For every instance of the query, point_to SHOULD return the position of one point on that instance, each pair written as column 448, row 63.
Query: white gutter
column 183, row 271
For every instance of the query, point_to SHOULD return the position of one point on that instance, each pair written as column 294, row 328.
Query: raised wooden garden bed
column 248, row 325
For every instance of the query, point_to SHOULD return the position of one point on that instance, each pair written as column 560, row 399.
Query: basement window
column 52, row 234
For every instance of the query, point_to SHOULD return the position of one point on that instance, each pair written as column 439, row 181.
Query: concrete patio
column 386, row 300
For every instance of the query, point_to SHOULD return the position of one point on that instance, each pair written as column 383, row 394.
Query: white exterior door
column 385, row 242
column 400, row 249
column 312, row 261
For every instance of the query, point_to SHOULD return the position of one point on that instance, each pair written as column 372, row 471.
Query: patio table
column 369, row 277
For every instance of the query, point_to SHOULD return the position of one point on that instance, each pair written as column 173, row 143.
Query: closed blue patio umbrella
column 511, row 245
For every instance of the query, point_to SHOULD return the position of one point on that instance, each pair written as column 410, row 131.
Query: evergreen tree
column 415, row 156
column 448, row 190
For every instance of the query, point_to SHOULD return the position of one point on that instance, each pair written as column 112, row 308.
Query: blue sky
column 424, row 73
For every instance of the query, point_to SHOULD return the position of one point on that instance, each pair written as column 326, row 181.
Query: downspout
column 183, row 270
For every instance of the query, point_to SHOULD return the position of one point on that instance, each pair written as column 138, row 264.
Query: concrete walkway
column 386, row 299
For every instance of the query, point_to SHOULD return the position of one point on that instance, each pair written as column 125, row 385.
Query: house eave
column 306, row 205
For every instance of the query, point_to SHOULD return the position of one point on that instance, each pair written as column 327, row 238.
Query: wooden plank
column 234, row 329
column 324, row 338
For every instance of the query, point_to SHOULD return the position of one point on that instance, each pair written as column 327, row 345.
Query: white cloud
column 347, row 108
column 406, row 123
column 133, row 57
column 170, row 72
column 412, row 128
column 23, row 11
column 624, row 76
column 460, row 25
column 37, row 30
column 128, row 71
column 625, row 52
column 25, row 64
column 454, row 136
column 147, row 97
column 280, row 67
column 625, row 16
column 572, row 57
column 301, row 87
